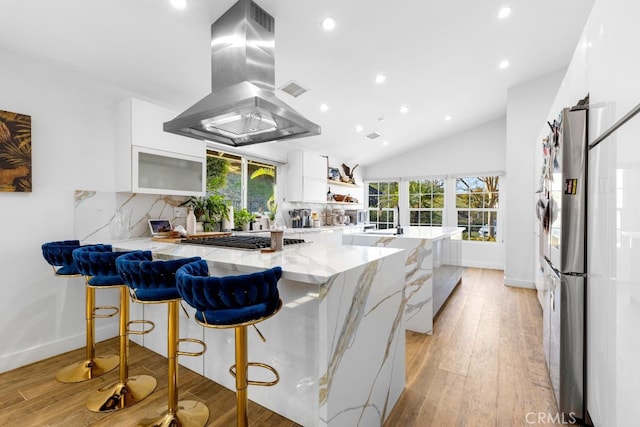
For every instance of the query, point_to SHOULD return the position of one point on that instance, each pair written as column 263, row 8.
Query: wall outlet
column 180, row 212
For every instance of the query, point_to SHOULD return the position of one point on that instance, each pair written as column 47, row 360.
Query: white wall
column 479, row 150
column 72, row 144
column 527, row 108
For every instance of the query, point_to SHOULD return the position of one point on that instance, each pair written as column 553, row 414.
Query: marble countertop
column 431, row 233
column 308, row 262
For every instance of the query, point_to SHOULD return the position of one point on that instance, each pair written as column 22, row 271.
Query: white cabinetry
column 149, row 160
column 306, row 177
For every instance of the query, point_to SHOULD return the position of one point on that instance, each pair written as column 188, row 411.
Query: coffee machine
column 296, row 218
column 305, row 215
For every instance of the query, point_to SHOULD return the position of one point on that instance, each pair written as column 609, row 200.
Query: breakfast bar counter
column 338, row 342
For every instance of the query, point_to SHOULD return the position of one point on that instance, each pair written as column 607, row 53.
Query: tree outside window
column 260, row 186
column 426, row 202
column 477, row 207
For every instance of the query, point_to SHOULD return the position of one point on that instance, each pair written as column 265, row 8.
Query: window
column 382, row 200
column 260, row 186
column 477, row 207
column 245, row 183
column 426, row 202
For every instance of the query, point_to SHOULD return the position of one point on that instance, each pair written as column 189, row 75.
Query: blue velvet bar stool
column 60, row 256
column 98, row 264
column 233, row 302
column 154, row 282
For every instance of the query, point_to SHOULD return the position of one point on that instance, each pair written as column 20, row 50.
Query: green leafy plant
column 198, row 204
column 217, row 207
column 241, row 218
column 209, row 210
column 273, row 209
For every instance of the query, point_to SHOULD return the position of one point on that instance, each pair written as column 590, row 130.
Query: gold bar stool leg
column 127, row 390
column 242, row 384
column 184, row 413
column 92, row 366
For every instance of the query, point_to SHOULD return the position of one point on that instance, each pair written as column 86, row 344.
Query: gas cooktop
column 239, row 242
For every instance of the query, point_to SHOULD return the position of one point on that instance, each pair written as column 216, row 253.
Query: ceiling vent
column 373, row 135
column 293, row 89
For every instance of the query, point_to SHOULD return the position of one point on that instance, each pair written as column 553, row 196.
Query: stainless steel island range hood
column 242, row 108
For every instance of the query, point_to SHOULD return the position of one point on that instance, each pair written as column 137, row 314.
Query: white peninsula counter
column 338, row 342
column 432, row 267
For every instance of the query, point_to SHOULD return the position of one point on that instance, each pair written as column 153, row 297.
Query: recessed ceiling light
column 179, row 4
column 503, row 64
column 380, row 78
column 447, row 118
column 504, row 12
column 404, row 109
column 385, row 143
column 324, row 107
column 359, row 128
column 329, row 24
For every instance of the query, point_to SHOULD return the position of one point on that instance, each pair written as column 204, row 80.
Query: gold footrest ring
column 115, row 396
column 116, row 310
column 139, row 322
column 192, row 353
column 232, row 371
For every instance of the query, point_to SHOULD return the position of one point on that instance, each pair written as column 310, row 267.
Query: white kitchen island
column 338, row 342
column 432, row 267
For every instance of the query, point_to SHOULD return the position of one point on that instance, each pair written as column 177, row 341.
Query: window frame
column 387, row 210
column 493, row 231
column 244, row 175
column 431, row 210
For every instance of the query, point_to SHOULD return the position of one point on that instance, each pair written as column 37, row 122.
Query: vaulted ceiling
column 439, row 58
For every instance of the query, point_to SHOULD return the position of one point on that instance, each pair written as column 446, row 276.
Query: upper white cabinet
column 306, row 177
column 149, row 160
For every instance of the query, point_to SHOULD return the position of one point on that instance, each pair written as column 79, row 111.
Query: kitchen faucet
column 398, row 226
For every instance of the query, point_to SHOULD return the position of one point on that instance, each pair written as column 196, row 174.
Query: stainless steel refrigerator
column 562, row 212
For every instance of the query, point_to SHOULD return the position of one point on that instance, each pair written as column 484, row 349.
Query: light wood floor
column 483, row 366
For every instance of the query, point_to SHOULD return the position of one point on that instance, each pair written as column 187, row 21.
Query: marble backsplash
column 102, row 216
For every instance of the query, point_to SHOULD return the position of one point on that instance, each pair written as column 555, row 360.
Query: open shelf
column 344, row 203
column 342, row 184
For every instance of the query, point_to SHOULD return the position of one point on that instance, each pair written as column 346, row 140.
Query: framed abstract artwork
column 15, row 152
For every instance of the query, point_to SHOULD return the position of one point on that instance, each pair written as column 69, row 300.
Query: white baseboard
column 517, row 283
column 40, row 352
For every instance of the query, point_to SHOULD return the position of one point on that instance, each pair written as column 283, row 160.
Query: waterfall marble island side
column 338, row 342
column 431, row 267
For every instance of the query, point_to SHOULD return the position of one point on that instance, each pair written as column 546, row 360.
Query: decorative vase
column 191, row 222
column 199, row 227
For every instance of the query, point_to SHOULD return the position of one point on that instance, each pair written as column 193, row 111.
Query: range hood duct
column 242, row 108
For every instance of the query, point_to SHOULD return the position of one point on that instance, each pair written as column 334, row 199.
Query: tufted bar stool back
column 59, row 255
column 233, row 302
column 154, row 282
column 98, row 264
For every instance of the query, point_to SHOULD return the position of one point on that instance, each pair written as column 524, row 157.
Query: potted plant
column 216, row 211
column 242, row 218
column 209, row 210
column 273, row 209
